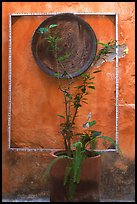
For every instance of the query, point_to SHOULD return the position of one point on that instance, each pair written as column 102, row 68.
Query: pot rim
column 52, row 153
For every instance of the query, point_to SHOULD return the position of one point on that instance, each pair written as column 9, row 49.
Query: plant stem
column 75, row 114
column 76, row 110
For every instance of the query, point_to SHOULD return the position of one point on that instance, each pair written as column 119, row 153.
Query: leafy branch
column 107, row 48
column 73, row 101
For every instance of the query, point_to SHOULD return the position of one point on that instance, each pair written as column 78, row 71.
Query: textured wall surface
column 31, row 127
column 35, row 94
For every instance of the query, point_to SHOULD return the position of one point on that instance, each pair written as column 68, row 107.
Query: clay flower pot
column 88, row 188
column 77, row 39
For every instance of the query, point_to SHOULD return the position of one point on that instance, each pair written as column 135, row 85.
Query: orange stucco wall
column 36, row 99
column 35, row 96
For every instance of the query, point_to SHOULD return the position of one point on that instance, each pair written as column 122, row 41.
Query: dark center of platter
column 76, row 43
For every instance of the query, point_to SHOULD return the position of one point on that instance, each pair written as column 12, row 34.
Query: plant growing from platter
column 53, row 38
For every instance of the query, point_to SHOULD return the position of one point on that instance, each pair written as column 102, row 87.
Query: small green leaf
column 103, row 44
column 84, row 102
column 63, row 57
column 69, row 95
column 78, row 87
column 84, row 75
column 83, row 89
column 78, row 71
column 112, row 142
column 52, row 25
column 96, row 133
column 97, row 71
column 92, row 123
column 92, row 78
column 90, row 82
column 43, row 30
column 56, row 74
column 61, row 116
column 91, row 87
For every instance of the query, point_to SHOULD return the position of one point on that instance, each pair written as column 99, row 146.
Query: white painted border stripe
column 10, row 81
column 49, row 150
column 10, row 78
column 117, row 81
column 128, row 104
column 54, row 13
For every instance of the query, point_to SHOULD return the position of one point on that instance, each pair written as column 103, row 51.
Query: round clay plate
column 77, row 41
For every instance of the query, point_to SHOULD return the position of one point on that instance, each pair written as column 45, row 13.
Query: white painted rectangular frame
column 10, row 78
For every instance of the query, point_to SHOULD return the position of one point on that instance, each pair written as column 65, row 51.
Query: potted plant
column 74, row 173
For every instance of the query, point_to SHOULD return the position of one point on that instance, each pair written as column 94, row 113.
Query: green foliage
column 56, row 74
column 87, row 138
column 78, row 157
column 74, row 99
column 92, row 123
column 42, row 30
column 61, row 116
column 69, row 95
column 71, row 189
column 95, row 133
column 68, row 172
column 97, row 71
column 109, row 139
column 107, row 48
column 46, row 173
column 80, row 98
column 53, row 39
column 63, row 57
column 73, row 169
column 53, row 25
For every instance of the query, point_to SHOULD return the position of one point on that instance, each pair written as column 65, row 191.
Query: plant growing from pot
column 74, row 173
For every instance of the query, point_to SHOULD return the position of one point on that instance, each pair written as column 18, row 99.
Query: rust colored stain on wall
column 36, row 99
